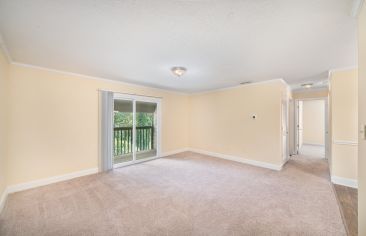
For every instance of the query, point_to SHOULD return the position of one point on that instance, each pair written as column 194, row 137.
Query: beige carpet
column 186, row 194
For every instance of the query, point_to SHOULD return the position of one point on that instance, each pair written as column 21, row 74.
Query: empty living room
column 182, row 117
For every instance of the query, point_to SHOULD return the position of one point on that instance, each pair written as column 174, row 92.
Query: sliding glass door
column 146, row 125
column 136, row 129
column 123, row 131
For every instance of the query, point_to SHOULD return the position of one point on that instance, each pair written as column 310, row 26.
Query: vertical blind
column 106, row 129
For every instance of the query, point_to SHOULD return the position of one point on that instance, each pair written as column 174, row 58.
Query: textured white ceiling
column 220, row 42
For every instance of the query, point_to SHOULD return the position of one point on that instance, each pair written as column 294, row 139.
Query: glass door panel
column 123, row 131
column 146, row 127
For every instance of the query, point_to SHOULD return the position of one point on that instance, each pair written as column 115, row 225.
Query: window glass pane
column 123, row 122
column 146, row 130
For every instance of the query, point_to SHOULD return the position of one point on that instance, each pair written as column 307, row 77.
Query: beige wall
column 313, row 122
column 53, row 120
column 362, row 122
column 3, row 119
column 344, row 112
column 221, row 121
column 304, row 94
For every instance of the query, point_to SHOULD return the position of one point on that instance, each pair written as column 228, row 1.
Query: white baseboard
column 314, row 144
column 55, row 179
column 169, row 153
column 50, row 180
column 3, row 198
column 353, row 183
column 60, row 178
column 239, row 159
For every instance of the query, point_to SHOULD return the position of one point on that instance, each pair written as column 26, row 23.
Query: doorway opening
column 311, row 126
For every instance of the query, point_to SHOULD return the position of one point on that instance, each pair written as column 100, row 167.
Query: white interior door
column 298, row 125
column 291, row 127
column 285, row 142
column 326, row 129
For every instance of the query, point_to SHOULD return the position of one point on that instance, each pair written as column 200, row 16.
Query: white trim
column 239, row 159
column 170, row 153
column 82, row 76
column 50, row 180
column 352, row 183
column 3, row 199
column 164, row 89
column 129, row 163
column 60, row 178
column 345, row 142
column 165, row 154
column 129, row 94
column 314, row 144
column 238, row 86
column 139, row 98
column 208, row 153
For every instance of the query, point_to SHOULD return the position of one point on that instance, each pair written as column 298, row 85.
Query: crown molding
column 82, row 76
column 143, row 86
column 240, row 85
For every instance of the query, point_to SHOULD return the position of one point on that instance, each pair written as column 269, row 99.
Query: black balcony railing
column 123, row 137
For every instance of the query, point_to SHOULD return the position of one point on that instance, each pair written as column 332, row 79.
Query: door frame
column 326, row 124
column 285, row 130
column 134, row 99
column 296, row 125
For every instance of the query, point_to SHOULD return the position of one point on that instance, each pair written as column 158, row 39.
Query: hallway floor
column 312, row 150
column 348, row 198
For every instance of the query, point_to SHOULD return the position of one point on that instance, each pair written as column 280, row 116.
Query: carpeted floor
column 186, row 194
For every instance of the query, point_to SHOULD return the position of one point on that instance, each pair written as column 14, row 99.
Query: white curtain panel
column 106, row 130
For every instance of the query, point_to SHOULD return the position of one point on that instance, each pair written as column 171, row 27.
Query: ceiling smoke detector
column 179, row 71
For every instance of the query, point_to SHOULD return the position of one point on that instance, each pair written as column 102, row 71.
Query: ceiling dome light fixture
column 178, row 70
column 308, row 85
